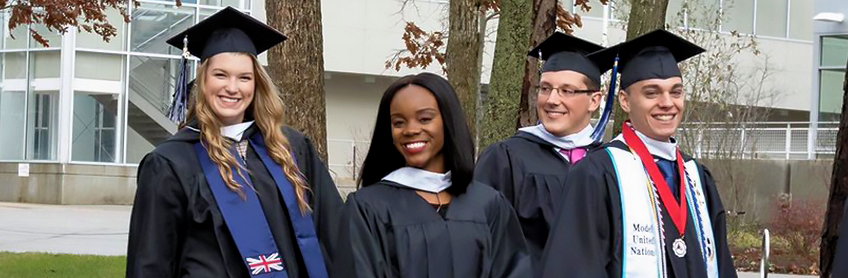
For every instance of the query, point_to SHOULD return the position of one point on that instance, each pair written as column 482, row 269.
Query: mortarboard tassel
column 177, row 110
column 598, row 134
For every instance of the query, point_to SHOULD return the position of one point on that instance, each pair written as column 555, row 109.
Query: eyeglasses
column 546, row 90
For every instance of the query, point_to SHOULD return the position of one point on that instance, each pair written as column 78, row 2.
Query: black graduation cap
column 228, row 30
column 565, row 52
column 652, row 55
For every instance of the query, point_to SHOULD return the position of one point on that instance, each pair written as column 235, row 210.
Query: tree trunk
column 297, row 66
column 645, row 16
column 508, row 70
column 463, row 59
column 544, row 24
column 838, row 189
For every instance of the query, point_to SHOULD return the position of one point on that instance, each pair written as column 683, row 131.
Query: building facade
column 82, row 106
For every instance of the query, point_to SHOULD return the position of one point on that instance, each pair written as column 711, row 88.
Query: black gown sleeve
column 494, row 169
column 511, row 258
column 363, row 247
column 841, row 253
column 579, row 241
column 718, row 216
column 157, row 221
column 326, row 203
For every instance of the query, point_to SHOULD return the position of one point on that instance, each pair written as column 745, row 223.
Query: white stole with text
column 643, row 243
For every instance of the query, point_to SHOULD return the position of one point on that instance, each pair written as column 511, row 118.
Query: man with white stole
column 639, row 207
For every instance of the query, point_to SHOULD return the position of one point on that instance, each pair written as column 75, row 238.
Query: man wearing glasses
column 530, row 168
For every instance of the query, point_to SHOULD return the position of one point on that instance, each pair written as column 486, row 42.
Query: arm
column 579, row 241
column 361, row 251
column 156, row 224
column 718, row 216
column 511, row 258
column 494, row 168
column 326, row 204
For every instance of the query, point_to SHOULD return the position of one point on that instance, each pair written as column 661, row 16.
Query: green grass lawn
column 24, row 265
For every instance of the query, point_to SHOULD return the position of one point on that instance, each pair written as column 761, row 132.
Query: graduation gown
column 531, row 174
column 586, row 239
column 840, row 268
column 390, row 231
column 177, row 229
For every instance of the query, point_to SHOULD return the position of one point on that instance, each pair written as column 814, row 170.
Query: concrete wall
column 755, row 186
column 68, row 184
column 352, row 101
column 752, row 186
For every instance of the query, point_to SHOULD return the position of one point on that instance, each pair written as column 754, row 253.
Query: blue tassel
column 178, row 108
column 600, row 129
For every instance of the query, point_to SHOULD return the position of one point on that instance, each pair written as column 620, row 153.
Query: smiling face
column 655, row 106
column 417, row 128
column 563, row 114
column 229, row 86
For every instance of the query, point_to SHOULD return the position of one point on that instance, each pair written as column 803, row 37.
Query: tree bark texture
column 544, row 24
column 297, row 66
column 508, row 70
column 645, row 16
column 838, row 190
column 463, row 59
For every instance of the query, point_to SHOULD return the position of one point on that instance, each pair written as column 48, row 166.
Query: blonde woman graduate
column 234, row 193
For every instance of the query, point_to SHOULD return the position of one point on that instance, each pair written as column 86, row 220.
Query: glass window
column 738, row 16
column 834, row 51
column 94, row 133
column 223, row 3
column 42, row 105
column 96, row 106
column 95, row 41
column 800, row 22
column 12, row 103
column 830, row 94
column 100, row 66
column 204, row 13
column 154, row 24
column 54, row 39
column 20, row 34
column 771, row 18
column 43, row 126
column 151, row 84
column 45, row 64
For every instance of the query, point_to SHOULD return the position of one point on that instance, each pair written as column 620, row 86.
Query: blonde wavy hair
column 268, row 113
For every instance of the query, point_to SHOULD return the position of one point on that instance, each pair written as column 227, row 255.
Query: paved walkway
column 97, row 230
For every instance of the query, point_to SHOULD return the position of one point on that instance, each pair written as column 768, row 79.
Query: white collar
column 580, row 139
column 235, row 131
column 664, row 150
column 420, row 179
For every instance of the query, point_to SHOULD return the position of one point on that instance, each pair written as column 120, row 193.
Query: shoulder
column 297, row 139
column 376, row 193
column 521, row 143
column 293, row 134
column 172, row 151
column 484, row 194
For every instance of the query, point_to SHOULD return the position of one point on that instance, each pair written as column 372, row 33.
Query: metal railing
column 759, row 140
column 345, row 157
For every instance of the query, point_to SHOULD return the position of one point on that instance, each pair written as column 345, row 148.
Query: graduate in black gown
column 840, row 257
column 639, row 207
column 530, row 168
column 418, row 214
column 233, row 193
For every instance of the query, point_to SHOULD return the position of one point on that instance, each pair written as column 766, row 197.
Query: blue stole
column 247, row 223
